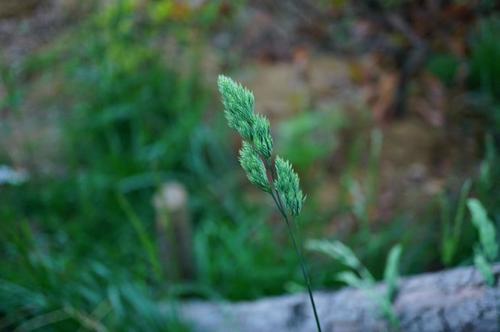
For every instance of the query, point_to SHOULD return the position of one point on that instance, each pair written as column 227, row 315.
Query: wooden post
column 174, row 232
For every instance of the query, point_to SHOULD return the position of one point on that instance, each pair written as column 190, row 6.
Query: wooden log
column 454, row 300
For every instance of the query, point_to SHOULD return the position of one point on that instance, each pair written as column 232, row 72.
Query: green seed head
column 288, row 186
column 238, row 106
column 262, row 139
column 254, row 167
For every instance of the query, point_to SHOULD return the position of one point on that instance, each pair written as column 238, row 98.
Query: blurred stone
column 12, row 176
column 453, row 300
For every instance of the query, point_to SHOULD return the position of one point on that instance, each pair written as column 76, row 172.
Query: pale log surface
column 454, row 300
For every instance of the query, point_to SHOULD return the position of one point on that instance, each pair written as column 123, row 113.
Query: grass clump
column 486, row 250
column 360, row 277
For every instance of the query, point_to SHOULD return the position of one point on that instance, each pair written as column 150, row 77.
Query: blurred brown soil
column 418, row 157
column 27, row 25
column 30, row 134
column 292, row 68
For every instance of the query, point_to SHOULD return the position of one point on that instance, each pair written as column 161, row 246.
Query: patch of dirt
column 30, row 135
column 28, row 26
column 419, row 156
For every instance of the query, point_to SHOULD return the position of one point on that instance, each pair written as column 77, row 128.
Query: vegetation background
column 389, row 111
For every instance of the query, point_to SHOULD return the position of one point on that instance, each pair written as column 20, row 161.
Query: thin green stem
column 305, row 273
column 279, row 204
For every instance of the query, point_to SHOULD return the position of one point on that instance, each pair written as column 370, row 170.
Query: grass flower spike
column 288, row 186
column 262, row 136
column 238, row 106
column 254, row 167
column 280, row 181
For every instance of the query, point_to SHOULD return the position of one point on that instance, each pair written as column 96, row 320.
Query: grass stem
column 296, row 246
